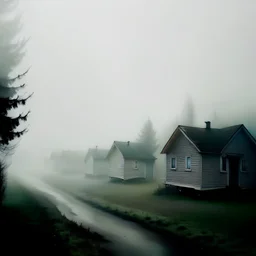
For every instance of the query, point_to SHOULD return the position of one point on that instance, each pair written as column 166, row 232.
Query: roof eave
column 164, row 150
column 187, row 137
column 233, row 136
column 87, row 156
column 109, row 152
column 114, row 145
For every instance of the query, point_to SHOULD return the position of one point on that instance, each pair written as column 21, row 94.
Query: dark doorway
column 234, row 163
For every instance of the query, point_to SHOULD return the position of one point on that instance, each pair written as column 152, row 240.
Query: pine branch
column 18, row 101
column 7, row 149
column 21, row 101
column 18, row 76
column 6, row 138
column 7, row 104
column 19, row 87
column 8, row 120
column 24, row 118
column 5, row 82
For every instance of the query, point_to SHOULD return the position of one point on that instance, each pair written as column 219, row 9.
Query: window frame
column 221, row 164
column 175, row 159
column 243, row 165
column 186, row 163
column 135, row 166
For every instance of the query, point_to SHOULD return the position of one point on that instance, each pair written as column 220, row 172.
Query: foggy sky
column 101, row 68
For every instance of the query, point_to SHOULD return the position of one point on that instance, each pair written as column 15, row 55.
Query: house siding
column 180, row 177
column 115, row 159
column 101, row 167
column 150, row 174
column 131, row 173
column 89, row 166
column 241, row 144
column 212, row 177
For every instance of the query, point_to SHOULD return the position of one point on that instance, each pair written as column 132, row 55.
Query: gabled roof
column 211, row 140
column 96, row 153
column 133, row 150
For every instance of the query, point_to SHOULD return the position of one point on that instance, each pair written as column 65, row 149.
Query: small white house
column 96, row 163
column 210, row 158
column 130, row 160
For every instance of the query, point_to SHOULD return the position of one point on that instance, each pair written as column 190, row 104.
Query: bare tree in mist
column 147, row 136
column 11, row 52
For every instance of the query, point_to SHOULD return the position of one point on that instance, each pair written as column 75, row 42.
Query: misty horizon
column 98, row 74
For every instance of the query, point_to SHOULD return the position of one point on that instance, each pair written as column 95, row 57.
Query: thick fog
column 101, row 68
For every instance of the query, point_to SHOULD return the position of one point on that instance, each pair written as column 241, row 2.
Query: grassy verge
column 221, row 227
column 200, row 241
column 31, row 225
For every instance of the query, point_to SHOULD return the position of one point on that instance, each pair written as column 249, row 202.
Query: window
column 224, row 163
column 188, row 163
column 135, row 165
column 243, row 165
column 173, row 163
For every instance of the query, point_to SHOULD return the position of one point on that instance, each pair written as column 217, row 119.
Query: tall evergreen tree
column 147, row 136
column 11, row 52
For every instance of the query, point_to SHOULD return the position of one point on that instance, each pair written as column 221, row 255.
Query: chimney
column 208, row 125
column 128, row 143
column 96, row 147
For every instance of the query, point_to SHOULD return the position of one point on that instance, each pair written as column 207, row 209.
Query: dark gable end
column 210, row 141
column 172, row 139
column 246, row 132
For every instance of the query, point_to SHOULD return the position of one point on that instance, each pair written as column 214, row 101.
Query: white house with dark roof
column 130, row 160
column 209, row 158
column 96, row 163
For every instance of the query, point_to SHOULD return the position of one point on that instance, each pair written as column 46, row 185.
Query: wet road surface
column 126, row 237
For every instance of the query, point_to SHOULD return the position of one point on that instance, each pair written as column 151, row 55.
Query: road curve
column 126, row 237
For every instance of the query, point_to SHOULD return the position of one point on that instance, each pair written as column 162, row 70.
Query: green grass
column 33, row 226
column 226, row 225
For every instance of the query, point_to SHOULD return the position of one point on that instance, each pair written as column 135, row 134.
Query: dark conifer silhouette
column 147, row 136
column 12, row 53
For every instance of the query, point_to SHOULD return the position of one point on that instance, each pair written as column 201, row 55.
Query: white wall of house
column 101, row 167
column 180, row 176
column 130, row 172
column 241, row 144
column 150, row 170
column 89, row 166
column 212, row 177
column 116, row 164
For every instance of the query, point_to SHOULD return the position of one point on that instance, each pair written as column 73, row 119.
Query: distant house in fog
column 130, row 160
column 96, row 163
column 209, row 158
column 67, row 161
